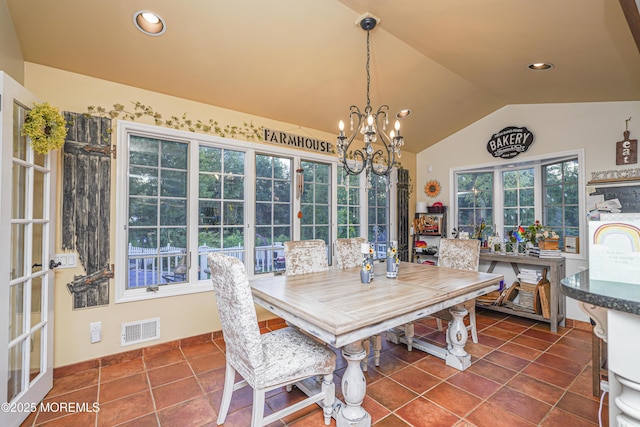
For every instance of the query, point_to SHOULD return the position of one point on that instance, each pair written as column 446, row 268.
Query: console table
column 555, row 273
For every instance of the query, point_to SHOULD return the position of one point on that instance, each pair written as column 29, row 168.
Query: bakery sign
column 510, row 142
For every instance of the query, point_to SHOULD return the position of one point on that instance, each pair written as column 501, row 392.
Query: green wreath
column 46, row 128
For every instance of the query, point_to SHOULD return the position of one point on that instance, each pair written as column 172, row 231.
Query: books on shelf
column 528, row 275
column 545, row 253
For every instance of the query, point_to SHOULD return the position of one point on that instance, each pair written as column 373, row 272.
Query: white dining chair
column 305, row 256
column 348, row 254
column 463, row 255
column 265, row 362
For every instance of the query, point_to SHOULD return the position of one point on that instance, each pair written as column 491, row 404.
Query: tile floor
column 521, row 375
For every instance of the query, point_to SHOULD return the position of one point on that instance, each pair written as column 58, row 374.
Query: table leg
column 457, row 337
column 354, row 387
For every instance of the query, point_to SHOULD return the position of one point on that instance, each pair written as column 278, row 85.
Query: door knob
column 53, row 264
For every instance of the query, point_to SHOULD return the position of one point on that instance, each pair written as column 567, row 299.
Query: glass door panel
column 26, row 297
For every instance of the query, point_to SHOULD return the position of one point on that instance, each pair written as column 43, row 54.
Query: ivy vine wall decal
column 248, row 131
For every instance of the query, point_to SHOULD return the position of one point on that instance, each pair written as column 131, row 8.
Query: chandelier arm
column 359, row 161
column 388, row 163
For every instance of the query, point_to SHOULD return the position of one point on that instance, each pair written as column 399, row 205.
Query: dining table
column 335, row 307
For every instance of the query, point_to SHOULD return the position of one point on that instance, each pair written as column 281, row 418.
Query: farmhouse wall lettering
column 291, row 140
column 510, row 142
column 86, row 205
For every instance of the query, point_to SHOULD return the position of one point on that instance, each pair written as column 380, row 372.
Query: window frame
column 251, row 149
column 538, row 162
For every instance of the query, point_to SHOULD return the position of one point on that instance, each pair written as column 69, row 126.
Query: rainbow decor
column 519, row 234
column 614, row 249
column 627, row 232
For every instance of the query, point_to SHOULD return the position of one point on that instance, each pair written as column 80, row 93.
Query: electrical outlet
column 95, row 329
column 66, row 260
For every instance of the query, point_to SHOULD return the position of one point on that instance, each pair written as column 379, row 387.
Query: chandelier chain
column 368, row 73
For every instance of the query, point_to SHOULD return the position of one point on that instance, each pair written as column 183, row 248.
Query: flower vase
column 392, row 268
column 365, row 277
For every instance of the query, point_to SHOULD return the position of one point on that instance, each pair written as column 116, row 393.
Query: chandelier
column 372, row 125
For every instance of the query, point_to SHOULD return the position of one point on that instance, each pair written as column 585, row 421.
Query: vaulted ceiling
column 303, row 61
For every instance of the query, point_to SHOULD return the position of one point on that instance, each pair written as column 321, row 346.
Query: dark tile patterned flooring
column 521, row 375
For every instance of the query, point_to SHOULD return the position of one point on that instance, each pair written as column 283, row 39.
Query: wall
column 596, row 127
column 182, row 316
column 11, row 61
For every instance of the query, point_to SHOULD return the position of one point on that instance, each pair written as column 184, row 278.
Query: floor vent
column 140, row 331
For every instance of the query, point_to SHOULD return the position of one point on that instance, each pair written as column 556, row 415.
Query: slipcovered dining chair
column 348, row 254
column 463, row 255
column 305, row 256
column 268, row 361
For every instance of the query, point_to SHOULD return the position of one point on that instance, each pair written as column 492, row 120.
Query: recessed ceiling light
column 403, row 113
column 149, row 23
column 540, row 66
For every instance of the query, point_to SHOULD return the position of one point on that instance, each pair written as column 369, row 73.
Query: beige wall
column 180, row 317
column 11, row 61
column 595, row 127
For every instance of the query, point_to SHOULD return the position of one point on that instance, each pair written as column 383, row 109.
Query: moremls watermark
column 55, row 407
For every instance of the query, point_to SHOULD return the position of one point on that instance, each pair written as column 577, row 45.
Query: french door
column 27, row 183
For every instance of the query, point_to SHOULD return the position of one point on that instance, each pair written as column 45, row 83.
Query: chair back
column 237, row 315
column 460, row 254
column 348, row 252
column 305, row 256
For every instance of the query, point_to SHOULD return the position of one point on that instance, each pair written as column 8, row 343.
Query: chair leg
column 229, row 378
column 471, row 308
column 257, row 412
column 439, row 324
column 329, row 390
column 377, row 347
column 409, row 332
column 365, row 362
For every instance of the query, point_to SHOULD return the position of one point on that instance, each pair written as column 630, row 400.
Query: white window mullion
column 296, row 204
column 498, row 203
column 250, row 211
column 538, row 196
column 193, row 208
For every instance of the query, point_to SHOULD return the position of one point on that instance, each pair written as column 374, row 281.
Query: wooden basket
column 548, row 244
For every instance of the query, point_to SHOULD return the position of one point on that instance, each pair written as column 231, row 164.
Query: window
column 474, row 201
column 561, row 198
column 157, row 229
column 314, row 202
column 220, row 204
column 273, row 211
column 348, row 205
column 548, row 189
column 182, row 195
column 518, row 198
column 378, row 213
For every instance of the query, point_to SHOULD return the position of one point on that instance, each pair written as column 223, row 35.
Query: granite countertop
column 614, row 295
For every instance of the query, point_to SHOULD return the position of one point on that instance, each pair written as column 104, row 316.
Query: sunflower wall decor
column 432, row 188
column 46, row 128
